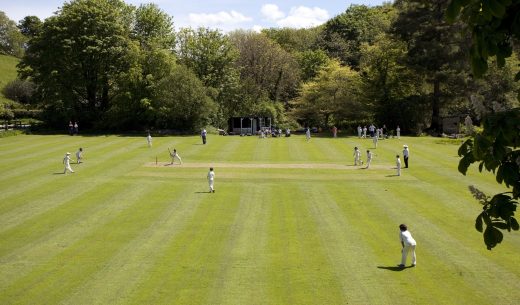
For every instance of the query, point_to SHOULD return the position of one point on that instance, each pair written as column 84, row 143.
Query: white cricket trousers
column 210, row 185
column 406, row 249
column 178, row 157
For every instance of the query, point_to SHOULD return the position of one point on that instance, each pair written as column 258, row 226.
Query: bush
column 19, row 90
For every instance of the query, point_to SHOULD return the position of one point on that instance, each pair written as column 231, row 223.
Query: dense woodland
column 114, row 66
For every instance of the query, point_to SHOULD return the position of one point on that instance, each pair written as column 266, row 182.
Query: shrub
column 19, row 90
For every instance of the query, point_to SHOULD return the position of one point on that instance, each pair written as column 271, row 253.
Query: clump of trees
column 113, row 65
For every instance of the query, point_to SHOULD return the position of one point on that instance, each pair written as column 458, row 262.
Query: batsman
column 174, row 155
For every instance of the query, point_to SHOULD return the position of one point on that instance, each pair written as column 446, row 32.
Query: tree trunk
column 436, row 124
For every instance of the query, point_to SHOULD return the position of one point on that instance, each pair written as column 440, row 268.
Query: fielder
column 308, row 134
column 408, row 244
column 364, row 132
column 398, row 165
column 398, row 130
column 369, row 158
column 375, row 139
column 359, row 131
column 79, row 155
column 211, row 180
column 149, row 140
column 66, row 161
column 175, row 155
column 357, row 156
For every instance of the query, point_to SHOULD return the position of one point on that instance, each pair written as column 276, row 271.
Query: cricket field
column 291, row 222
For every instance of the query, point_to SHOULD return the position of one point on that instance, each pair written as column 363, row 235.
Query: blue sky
column 224, row 14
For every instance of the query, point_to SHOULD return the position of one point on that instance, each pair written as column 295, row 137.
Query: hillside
column 7, row 72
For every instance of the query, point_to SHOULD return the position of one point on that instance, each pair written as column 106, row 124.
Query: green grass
column 7, row 72
column 123, row 231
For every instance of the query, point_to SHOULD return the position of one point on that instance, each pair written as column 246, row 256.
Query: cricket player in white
column 375, row 139
column 357, row 156
column 398, row 165
column 149, row 140
column 359, row 131
column 398, row 130
column 175, row 155
column 308, row 133
column 364, row 132
column 408, row 244
column 211, row 180
column 369, row 158
column 79, row 155
column 66, row 161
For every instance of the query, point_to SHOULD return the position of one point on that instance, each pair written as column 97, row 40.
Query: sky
column 226, row 15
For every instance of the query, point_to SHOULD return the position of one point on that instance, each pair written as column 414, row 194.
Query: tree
column 390, row 86
column 264, row 65
column 333, row 95
column 153, row 27
column 11, row 40
column 494, row 26
column 311, row 63
column 211, row 56
column 76, row 58
column 435, row 49
column 496, row 91
column 343, row 35
column 30, row 26
column 181, row 101
column 294, row 40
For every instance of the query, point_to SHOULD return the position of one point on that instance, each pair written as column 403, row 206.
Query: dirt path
column 266, row 165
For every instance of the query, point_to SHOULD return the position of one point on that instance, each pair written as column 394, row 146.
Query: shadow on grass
column 394, row 268
column 202, row 192
column 392, row 176
column 62, row 173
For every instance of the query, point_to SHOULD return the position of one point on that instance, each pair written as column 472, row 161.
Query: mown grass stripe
column 55, row 233
column 242, row 275
column 299, row 271
column 189, row 264
column 433, row 240
column 131, row 264
column 77, row 263
column 18, row 208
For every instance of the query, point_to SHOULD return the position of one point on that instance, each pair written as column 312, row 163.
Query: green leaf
column 514, row 224
column 464, row 163
column 499, row 175
column 486, row 218
column 510, row 173
column 465, row 147
column 479, row 223
column 500, row 225
column 492, row 237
